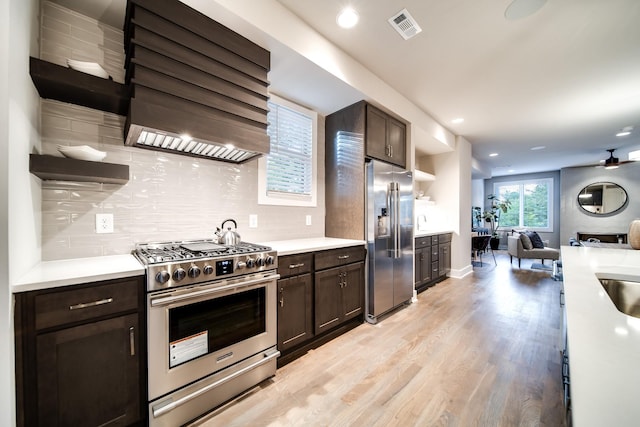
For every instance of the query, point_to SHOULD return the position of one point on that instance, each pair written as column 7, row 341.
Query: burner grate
column 152, row 253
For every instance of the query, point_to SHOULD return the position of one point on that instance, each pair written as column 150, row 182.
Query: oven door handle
column 162, row 301
column 167, row 406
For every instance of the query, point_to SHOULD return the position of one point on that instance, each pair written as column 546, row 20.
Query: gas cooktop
column 162, row 252
column 173, row 264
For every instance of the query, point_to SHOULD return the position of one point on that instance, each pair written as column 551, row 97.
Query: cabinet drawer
column 338, row 257
column 292, row 265
column 422, row 242
column 435, row 270
column 434, row 239
column 444, row 238
column 434, row 253
column 76, row 305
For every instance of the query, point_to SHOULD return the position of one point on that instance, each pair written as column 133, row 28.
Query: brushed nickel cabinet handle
column 296, row 265
column 343, row 256
column 91, row 304
column 132, row 341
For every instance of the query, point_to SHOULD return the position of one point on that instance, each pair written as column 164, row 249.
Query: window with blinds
column 288, row 172
column 290, row 158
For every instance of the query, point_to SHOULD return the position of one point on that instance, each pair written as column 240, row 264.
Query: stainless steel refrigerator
column 389, row 229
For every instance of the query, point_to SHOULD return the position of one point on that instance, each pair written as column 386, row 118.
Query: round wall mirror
column 602, row 198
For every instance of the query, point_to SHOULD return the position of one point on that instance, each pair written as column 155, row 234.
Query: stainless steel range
column 212, row 325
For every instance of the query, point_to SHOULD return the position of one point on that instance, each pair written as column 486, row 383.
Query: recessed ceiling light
column 347, row 18
column 493, row 154
column 625, row 131
column 457, row 120
column 539, row 147
column 519, row 9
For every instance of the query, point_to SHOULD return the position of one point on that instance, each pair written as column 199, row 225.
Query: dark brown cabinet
column 295, row 300
column 444, row 255
column 80, row 355
column 385, row 137
column 339, row 286
column 422, row 261
column 432, row 260
column 320, row 296
column 353, row 135
column 339, row 295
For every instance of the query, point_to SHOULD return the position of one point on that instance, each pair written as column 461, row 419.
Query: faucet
column 422, row 220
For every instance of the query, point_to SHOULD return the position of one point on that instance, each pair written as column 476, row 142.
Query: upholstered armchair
column 529, row 247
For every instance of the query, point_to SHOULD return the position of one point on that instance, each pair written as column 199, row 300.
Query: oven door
column 198, row 330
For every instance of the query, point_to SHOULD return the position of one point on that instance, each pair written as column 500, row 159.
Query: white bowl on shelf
column 92, row 68
column 82, row 152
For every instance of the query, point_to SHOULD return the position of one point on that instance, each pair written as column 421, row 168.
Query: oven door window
column 208, row 326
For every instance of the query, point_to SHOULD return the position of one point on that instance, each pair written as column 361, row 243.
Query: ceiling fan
column 612, row 162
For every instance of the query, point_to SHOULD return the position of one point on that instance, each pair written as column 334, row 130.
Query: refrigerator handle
column 395, row 220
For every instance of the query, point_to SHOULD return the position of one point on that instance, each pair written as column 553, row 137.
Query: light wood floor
column 478, row 351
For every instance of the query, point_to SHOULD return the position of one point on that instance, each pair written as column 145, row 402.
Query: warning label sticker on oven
column 188, row 348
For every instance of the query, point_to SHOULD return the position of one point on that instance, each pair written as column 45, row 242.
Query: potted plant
column 492, row 216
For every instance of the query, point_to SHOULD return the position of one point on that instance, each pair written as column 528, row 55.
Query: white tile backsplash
column 168, row 196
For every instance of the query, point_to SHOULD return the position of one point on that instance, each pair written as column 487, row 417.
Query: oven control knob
column 241, row 265
column 268, row 260
column 162, row 276
column 179, row 274
column 250, row 263
column 260, row 261
column 194, row 271
column 208, row 269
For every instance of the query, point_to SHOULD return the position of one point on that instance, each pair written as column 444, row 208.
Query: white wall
column 19, row 192
column 451, row 192
column 572, row 217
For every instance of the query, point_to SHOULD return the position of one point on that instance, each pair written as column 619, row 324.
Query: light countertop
column 296, row 246
column 51, row 274
column 604, row 344
column 423, row 233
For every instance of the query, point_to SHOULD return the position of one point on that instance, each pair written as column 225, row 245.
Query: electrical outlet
column 104, row 223
column 253, row 221
column 308, row 220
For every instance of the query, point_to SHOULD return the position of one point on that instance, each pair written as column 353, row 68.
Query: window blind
column 289, row 168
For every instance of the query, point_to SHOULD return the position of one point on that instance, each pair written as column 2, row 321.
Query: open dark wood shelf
column 65, row 84
column 65, row 169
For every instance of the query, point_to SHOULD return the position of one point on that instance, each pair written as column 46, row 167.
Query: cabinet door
column 352, row 290
column 295, row 322
column 444, row 259
column 376, row 134
column 89, row 375
column 396, row 141
column 328, row 299
column 423, row 268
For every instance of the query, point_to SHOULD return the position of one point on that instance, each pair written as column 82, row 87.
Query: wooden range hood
column 192, row 76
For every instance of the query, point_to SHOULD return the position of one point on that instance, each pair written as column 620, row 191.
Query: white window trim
column 283, row 199
column 549, row 181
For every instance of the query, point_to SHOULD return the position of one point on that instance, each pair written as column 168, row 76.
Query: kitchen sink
column 625, row 295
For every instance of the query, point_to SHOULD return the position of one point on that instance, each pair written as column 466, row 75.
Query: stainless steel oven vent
column 404, row 24
column 186, row 145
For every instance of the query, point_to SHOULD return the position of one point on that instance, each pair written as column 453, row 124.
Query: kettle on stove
column 228, row 237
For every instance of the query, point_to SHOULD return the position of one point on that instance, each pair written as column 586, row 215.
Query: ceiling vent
column 404, row 24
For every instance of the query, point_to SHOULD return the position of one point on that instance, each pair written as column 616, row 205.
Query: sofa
column 529, row 247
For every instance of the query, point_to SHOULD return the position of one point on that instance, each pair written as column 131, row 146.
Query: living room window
column 531, row 204
column 287, row 175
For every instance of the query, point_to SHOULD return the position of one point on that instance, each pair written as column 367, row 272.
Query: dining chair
column 479, row 245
